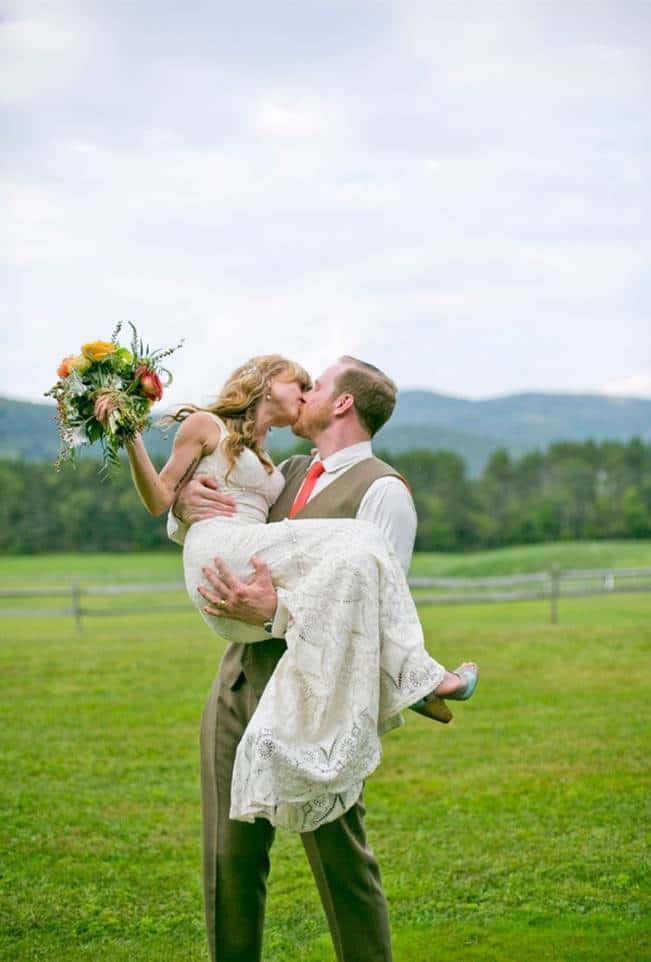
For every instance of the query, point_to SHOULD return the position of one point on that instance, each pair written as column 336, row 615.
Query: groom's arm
column 198, row 500
column 388, row 505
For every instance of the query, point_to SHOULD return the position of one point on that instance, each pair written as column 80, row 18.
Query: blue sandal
column 468, row 675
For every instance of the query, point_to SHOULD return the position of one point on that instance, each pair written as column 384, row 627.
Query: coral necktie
column 306, row 488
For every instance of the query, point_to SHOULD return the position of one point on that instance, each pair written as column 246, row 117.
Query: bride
column 355, row 650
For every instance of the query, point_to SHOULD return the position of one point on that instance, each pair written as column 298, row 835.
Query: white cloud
column 39, row 54
column 635, row 385
column 300, row 120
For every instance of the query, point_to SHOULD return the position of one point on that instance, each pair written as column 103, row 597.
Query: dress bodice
column 249, row 484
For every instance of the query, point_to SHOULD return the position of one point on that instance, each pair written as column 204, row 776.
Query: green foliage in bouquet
column 105, row 393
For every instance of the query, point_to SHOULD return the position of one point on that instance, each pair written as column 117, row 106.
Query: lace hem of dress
column 302, row 787
column 414, row 681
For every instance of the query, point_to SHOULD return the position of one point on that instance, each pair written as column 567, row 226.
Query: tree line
column 573, row 490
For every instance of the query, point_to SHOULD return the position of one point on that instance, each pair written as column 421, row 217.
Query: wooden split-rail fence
column 550, row 586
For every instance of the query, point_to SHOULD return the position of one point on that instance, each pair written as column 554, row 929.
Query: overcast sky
column 457, row 192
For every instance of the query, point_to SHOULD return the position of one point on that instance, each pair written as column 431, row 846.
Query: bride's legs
column 403, row 654
column 453, row 684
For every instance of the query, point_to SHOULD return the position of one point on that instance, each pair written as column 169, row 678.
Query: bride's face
column 286, row 401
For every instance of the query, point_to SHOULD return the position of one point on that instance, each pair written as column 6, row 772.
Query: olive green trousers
column 236, row 854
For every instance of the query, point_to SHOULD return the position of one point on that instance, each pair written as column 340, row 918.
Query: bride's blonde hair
column 237, row 403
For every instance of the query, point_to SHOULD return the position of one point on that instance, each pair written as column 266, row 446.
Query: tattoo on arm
column 186, row 474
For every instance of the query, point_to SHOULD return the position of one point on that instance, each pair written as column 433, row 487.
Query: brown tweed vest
column 340, row 499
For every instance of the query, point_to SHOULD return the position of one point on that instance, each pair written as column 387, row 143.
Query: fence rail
column 551, row 586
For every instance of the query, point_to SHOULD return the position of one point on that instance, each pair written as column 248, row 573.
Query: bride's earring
column 267, row 397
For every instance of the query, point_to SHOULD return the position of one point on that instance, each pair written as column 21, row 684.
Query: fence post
column 553, row 594
column 76, row 607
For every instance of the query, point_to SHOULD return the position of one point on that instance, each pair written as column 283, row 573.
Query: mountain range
column 422, row 419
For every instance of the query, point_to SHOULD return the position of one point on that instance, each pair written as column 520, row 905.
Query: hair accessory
column 251, row 369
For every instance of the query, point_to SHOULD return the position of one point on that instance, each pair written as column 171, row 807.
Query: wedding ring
column 221, row 603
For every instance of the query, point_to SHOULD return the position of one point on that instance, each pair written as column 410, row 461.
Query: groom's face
column 316, row 413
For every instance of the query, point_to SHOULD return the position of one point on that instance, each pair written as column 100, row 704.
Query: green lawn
column 536, row 557
column 516, row 833
column 144, row 566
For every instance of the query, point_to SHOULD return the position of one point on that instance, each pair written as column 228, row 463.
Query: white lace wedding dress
column 355, row 654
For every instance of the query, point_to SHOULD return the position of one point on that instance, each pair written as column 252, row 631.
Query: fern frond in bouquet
column 105, row 394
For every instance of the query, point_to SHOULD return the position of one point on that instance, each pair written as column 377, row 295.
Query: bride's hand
column 201, row 499
column 104, row 405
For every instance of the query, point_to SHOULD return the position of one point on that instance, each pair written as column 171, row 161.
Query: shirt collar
column 347, row 456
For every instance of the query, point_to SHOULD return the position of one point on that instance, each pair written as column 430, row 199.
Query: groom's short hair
column 374, row 393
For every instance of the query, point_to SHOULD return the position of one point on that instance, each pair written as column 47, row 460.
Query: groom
column 348, row 404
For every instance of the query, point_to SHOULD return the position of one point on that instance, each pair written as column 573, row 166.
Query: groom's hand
column 253, row 601
column 201, row 499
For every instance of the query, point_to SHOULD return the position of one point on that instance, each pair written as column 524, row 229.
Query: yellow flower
column 79, row 363
column 98, row 350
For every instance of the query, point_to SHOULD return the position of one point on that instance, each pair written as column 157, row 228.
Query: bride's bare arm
column 196, row 437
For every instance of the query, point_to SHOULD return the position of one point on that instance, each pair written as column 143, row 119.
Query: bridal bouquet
column 105, row 394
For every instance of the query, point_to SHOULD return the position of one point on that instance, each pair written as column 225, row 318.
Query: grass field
column 61, row 569
column 516, row 833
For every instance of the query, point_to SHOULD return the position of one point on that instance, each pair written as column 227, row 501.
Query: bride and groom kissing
column 325, row 644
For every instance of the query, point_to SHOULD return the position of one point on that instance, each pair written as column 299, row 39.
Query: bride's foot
column 459, row 684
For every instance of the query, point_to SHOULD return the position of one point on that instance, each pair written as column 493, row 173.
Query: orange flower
column 98, row 350
column 65, row 367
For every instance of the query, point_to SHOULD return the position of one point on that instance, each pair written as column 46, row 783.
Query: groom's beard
column 311, row 423
column 299, row 431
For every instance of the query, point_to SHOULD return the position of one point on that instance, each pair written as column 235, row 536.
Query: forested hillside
column 570, row 491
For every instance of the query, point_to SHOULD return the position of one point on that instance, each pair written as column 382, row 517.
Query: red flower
column 150, row 383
